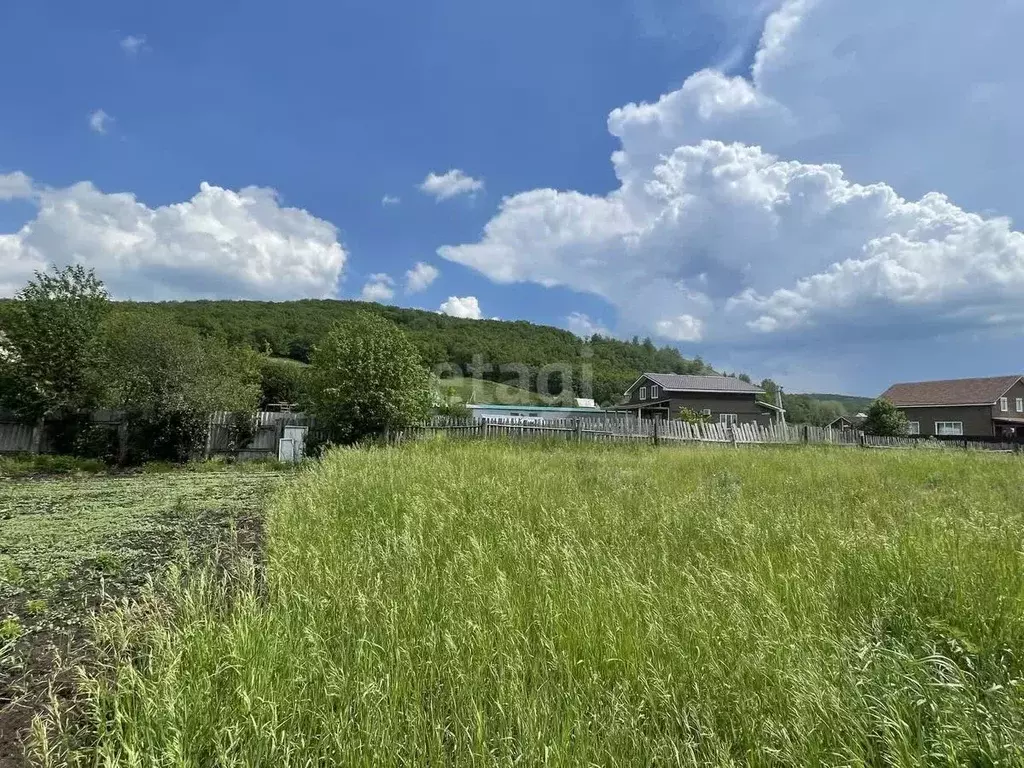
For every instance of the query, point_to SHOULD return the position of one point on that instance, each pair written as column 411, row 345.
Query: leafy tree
column 365, row 378
column 169, row 379
column 692, row 417
column 281, row 380
column 48, row 347
column 151, row 367
column 885, row 419
column 450, row 404
column 770, row 388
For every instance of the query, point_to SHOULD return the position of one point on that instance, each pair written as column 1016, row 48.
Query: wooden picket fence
column 657, row 432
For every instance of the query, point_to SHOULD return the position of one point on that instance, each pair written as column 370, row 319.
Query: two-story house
column 990, row 407
column 722, row 399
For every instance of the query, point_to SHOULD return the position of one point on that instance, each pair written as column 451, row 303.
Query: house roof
column 852, row 420
column 533, row 408
column 952, row 392
column 674, row 382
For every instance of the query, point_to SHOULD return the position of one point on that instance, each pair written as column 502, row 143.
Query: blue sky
column 775, row 219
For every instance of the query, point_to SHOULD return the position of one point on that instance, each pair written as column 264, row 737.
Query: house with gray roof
column 986, row 407
column 723, row 399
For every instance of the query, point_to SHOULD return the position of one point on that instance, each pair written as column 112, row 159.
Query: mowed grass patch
column 493, row 604
column 67, row 544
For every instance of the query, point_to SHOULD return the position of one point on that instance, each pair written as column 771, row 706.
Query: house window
column 1020, row 405
column 654, row 391
column 914, row 427
column 948, row 428
column 643, row 393
column 706, row 412
column 1004, row 404
column 534, row 414
column 729, row 419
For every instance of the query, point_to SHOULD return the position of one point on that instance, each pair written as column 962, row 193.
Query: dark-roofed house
column 990, row 407
column 722, row 398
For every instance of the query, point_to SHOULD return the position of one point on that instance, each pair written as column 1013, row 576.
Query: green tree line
column 292, row 329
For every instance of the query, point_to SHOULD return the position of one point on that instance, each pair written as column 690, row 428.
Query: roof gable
column 984, row 391
column 674, row 382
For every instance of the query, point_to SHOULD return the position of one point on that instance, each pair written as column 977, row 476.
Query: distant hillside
column 478, row 391
column 852, row 403
column 822, row 409
column 505, row 349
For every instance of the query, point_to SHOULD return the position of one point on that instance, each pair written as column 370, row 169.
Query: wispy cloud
column 584, row 326
column 389, row 200
column 132, row 44
column 100, row 121
column 451, row 184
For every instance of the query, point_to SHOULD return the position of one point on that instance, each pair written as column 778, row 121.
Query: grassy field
column 69, row 543
column 471, row 391
column 486, row 604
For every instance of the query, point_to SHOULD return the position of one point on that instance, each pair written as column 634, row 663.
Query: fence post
column 209, row 438
column 732, row 434
column 37, row 437
column 862, row 439
column 122, row 439
column 657, row 420
column 807, row 434
column 579, row 430
column 482, row 428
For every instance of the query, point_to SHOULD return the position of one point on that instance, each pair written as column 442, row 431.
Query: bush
column 280, row 381
column 22, row 465
column 692, row 417
column 884, row 419
column 365, row 379
column 177, row 437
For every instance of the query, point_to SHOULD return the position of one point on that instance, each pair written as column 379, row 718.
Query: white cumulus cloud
column 99, row 121
column 379, row 287
column 451, row 184
column 14, row 186
column 218, row 244
column 420, row 277
column 462, row 306
column 856, row 179
column 680, row 328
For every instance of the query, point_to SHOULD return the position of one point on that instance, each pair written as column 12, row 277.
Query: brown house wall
column 1017, row 390
column 744, row 405
column 634, row 395
column 977, row 419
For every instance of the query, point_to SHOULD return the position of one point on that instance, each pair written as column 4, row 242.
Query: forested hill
column 292, row 329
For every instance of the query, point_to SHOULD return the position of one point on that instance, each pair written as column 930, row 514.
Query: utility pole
column 778, row 402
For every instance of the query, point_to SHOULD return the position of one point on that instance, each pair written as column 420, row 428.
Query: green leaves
column 154, row 367
column 48, row 340
column 366, row 378
column 884, row 419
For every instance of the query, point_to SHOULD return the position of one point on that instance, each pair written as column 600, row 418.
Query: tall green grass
column 489, row 604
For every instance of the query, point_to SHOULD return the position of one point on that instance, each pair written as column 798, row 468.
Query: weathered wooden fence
column 255, row 436
column 261, row 431
column 242, row 436
column 627, row 430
